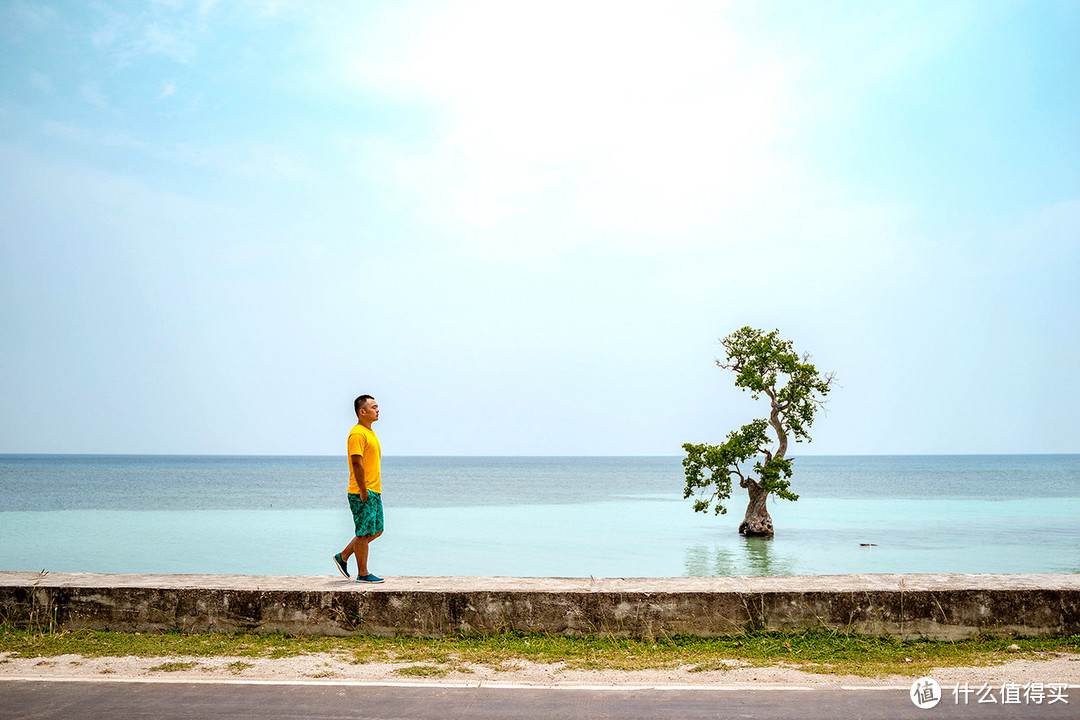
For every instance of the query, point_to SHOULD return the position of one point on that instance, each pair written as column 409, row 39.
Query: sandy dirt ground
column 1054, row 668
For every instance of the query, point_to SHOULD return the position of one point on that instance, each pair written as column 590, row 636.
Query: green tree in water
column 763, row 365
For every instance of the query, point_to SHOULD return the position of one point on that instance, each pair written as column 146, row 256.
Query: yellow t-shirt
column 363, row 442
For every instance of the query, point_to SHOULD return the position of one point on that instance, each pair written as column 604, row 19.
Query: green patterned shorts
column 367, row 516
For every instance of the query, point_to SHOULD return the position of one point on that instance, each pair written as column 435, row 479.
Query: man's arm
column 358, row 473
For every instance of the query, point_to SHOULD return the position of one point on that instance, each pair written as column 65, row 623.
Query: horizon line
column 404, row 455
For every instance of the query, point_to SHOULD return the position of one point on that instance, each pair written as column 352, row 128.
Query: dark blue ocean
column 536, row 516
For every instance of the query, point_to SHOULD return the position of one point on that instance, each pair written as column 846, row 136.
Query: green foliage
column 766, row 365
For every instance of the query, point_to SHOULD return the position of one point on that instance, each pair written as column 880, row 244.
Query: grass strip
column 815, row 651
column 173, row 666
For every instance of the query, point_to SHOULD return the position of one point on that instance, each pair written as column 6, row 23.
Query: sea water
column 536, row 516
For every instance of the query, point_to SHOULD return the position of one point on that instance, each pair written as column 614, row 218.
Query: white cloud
column 271, row 8
column 91, row 92
column 114, row 25
column 633, row 122
column 77, row 133
column 42, row 82
column 1052, row 231
column 162, row 29
column 255, row 161
column 157, row 39
column 32, row 15
column 259, row 161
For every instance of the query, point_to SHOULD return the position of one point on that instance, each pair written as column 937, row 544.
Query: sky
column 523, row 227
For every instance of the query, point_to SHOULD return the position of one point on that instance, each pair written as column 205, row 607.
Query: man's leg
column 361, row 552
column 348, row 551
column 359, row 546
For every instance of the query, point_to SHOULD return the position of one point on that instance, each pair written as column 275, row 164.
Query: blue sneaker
column 342, row 566
column 369, row 578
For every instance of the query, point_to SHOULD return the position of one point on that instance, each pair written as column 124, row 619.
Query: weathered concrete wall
column 936, row 606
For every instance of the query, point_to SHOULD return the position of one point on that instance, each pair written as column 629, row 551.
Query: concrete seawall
column 934, row 606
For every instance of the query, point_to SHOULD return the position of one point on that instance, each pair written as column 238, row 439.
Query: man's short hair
column 359, row 403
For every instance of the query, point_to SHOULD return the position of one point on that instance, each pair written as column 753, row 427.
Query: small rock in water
column 868, row 544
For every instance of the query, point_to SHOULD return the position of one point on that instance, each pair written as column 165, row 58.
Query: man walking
column 365, row 489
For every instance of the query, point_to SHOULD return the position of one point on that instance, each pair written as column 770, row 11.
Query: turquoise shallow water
column 609, row 539
column 629, row 520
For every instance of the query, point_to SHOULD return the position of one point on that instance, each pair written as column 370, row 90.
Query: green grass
column 815, row 651
column 238, row 666
column 173, row 666
column 422, row 671
column 327, row 673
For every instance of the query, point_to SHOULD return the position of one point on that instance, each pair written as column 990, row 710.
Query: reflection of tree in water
column 702, row 561
column 762, row 560
column 757, row 558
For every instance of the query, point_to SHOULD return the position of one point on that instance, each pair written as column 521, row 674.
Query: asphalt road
column 115, row 700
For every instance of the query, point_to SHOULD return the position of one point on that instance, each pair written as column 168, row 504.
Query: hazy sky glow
column 523, row 227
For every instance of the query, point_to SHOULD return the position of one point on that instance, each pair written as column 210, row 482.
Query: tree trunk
column 757, row 521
